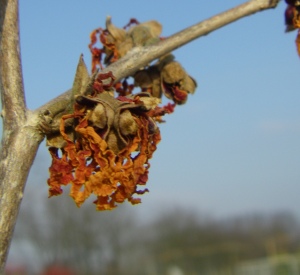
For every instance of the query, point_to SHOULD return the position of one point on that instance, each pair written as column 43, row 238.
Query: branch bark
column 21, row 128
column 20, row 138
column 12, row 90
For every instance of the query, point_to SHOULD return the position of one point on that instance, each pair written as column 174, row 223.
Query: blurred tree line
column 174, row 242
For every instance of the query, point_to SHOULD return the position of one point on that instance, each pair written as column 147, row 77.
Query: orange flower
column 92, row 167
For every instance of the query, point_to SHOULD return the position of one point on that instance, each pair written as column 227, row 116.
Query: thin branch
column 139, row 57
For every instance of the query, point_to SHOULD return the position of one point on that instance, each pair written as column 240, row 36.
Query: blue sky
column 234, row 148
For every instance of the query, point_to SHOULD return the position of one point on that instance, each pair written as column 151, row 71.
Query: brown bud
column 143, row 79
column 124, row 46
column 189, row 84
column 145, row 33
column 173, row 73
column 150, row 102
column 149, row 79
column 164, row 60
column 127, row 124
column 140, row 35
column 114, row 143
column 155, row 28
column 156, row 82
column 98, row 116
column 117, row 33
column 56, row 139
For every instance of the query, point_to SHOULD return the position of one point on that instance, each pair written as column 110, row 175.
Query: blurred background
column 224, row 181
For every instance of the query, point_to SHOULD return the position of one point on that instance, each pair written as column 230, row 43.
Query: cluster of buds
column 117, row 41
column 292, row 19
column 106, row 139
column 166, row 77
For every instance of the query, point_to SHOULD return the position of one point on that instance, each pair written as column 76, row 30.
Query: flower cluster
column 292, row 19
column 107, row 151
column 106, row 139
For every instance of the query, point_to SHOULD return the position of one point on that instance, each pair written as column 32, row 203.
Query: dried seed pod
column 152, row 41
column 149, row 102
column 154, row 27
column 174, row 93
column 164, row 60
column 189, row 84
column 109, row 39
column 140, row 35
column 173, row 72
column 149, row 80
column 117, row 33
column 56, row 139
column 114, row 143
column 143, row 79
column 124, row 46
column 127, row 123
column 98, row 116
column 144, row 33
column 156, row 82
